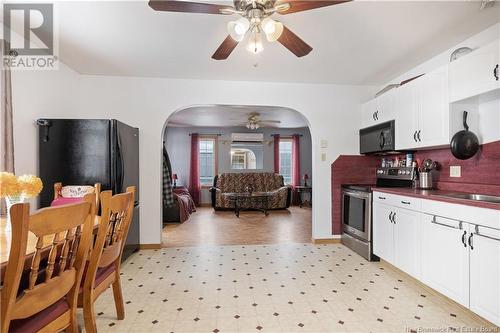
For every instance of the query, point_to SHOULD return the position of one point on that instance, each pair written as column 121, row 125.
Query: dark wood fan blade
column 302, row 5
column 225, row 48
column 186, row 6
column 293, row 43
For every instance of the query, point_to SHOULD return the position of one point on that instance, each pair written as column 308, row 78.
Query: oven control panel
column 402, row 173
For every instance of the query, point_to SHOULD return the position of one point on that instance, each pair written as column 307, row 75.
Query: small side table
column 301, row 190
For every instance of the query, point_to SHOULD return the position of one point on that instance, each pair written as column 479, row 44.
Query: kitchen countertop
column 433, row 195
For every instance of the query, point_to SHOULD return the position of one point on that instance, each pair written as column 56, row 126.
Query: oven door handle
column 357, row 194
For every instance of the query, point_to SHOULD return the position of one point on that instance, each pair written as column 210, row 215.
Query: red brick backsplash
column 480, row 174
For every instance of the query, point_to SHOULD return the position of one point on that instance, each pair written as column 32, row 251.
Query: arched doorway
column 241, row 141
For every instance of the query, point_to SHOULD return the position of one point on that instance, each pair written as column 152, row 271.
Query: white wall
column 178, row 144
column 333, row 113
column 40, row 94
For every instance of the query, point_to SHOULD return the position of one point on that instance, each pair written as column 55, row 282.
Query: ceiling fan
column 255, row 21
column 254, row 122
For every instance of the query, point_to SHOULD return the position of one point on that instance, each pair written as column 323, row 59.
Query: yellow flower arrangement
column 30, row 185
column 9, row 185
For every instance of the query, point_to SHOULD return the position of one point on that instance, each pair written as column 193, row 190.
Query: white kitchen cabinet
column 475, row 73
column 434, row 109
column 407, row 117
column 406, row 247
column 485, row 273
column 445, row 257
column 368, row 114
column 383, row 232
column 395, row 233
column 423, row 111
column 378, row 110
column 457, row 255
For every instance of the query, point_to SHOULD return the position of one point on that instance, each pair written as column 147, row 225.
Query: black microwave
column 377, row 139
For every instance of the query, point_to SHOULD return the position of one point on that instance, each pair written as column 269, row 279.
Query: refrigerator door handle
column 122, row 171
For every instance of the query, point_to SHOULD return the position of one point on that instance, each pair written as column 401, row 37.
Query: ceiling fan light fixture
column 237, row 29
column 255, row 43
column 268, row 25
column 273, row 29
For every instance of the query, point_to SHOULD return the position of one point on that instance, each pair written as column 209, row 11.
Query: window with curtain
column 208, row 152
column 286, row 160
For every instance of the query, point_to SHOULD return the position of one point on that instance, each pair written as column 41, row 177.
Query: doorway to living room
column 236, row 175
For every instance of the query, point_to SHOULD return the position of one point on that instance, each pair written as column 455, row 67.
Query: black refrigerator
column 89, row 151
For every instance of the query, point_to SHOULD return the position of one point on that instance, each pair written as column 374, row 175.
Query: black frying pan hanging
column 464, row 144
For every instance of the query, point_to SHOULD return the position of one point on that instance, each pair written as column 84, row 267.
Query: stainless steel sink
column 470, row 196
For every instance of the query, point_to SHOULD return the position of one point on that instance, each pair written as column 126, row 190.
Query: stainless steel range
column 357, row 208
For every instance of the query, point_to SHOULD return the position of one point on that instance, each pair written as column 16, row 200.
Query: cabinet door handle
column 485, row 236
column 495, row 72
column 470, row 241
column 381, row 198
column 376, row 115
column 446, row 225
column 405, row 202
column 415, row 136
column 390, row 217
column 463, row 238
column 418, row 136
column 373, row 116
column 394, row 218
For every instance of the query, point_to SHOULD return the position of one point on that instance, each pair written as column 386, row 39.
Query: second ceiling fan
column 255, row 21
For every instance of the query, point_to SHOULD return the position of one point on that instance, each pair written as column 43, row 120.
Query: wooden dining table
column 6, row 238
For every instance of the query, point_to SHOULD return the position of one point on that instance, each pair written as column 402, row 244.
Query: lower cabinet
column 395, row 236
column 461, row 260
column 445, row 257
column 485, row 273
column 383, row 232
column 406, row 235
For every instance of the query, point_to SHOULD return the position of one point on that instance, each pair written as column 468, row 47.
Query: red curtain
column 276, row 153
column 194, row 172
column 295, row 165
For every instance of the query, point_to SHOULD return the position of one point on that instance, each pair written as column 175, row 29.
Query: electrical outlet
column 455, row 171
column 323, row 157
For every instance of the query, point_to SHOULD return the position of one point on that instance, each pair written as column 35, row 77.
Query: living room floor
column 209, row 227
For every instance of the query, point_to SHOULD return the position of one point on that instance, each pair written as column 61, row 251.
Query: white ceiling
column 361, row 42
column 229, row 116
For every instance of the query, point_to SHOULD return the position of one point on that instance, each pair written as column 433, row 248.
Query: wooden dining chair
column 44, row 297
column 64, row 195
column 103, row 267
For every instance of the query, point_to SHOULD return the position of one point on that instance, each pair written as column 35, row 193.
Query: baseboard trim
column 150, row 246
column 325, row 240
column 465, row 311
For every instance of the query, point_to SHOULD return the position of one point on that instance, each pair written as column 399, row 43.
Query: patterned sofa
column 260, row 182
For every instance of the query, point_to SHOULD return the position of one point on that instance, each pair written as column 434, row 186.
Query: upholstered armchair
column 259, row 182
column 74, row 193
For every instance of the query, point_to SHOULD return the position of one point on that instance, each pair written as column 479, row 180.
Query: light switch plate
column 455, row 171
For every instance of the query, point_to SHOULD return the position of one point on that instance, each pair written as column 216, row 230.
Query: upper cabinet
column 379, row 110
column 423, row 112
column 475, row 73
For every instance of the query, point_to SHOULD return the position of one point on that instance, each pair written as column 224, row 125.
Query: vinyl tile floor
column 272, row 288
